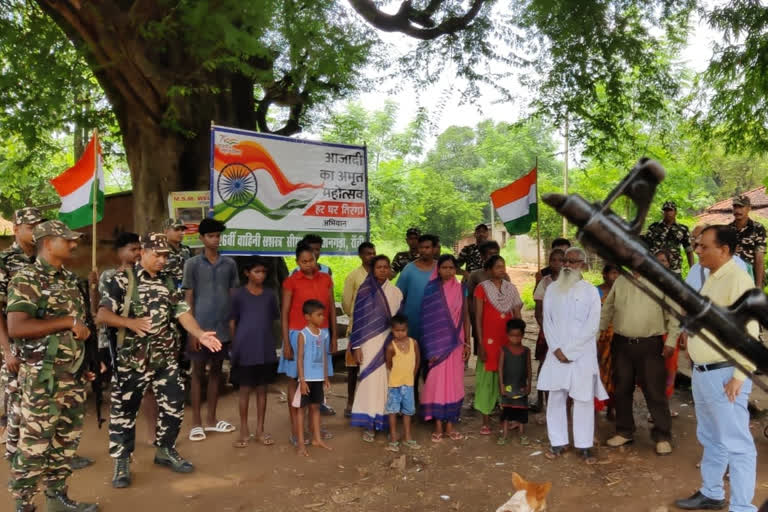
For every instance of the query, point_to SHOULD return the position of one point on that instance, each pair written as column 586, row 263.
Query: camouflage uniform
column 670, row 237
column 52, row 392
column 149, row 361
column 12, row 260
column 751, row 241
column 471, row 255
column 178, row 256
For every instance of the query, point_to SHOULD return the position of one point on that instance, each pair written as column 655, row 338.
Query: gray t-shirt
column 211, row 285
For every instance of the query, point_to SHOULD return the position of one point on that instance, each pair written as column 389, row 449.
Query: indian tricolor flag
column 516, row 204
column 77, row 187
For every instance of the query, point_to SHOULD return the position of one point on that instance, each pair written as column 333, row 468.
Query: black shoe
column 327, row 410
column 79, row 462
column 700, row 502
column 171, row 458
column 24, row 508
column 122, row 476
column 58, row 501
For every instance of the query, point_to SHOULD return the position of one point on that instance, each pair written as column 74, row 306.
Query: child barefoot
column 514, row 380
column 312, row 357
column 254, row 364
column 403, row 364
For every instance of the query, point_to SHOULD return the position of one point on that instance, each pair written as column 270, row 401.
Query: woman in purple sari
column 444, row 344
column 376, row 302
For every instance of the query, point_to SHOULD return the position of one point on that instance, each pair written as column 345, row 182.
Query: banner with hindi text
column 270, row 191
column 190, row 207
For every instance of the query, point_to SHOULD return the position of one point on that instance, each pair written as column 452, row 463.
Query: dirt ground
column 469, row 475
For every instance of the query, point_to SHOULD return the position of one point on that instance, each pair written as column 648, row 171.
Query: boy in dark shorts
column 312, row 358
column 208, row 280
column 254, row 362
column 514, row 381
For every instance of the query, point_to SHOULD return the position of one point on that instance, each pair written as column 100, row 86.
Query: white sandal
column 197, row 434
column 222, row 427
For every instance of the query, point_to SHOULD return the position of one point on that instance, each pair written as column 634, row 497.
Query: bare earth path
column 470, row 475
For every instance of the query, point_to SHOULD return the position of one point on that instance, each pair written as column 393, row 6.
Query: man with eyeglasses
column 571, row 319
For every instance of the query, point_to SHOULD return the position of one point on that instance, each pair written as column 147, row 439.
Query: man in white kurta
column 571, row 312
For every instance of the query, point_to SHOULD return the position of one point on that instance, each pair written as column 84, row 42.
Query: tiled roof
column 721, row 212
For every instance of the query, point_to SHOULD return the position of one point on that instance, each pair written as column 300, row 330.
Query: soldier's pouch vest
column 132, row 303
column 55, row 341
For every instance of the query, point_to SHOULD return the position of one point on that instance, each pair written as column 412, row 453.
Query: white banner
column 271, row 191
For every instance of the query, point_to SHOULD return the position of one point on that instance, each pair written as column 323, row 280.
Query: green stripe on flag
column 83, row 216
column 522, row 225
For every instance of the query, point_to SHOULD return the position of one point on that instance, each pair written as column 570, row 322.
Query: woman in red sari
column 496, row 302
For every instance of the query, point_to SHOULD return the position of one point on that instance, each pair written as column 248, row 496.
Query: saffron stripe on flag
column 517, row 208
column 77, row 175
column 514, row 190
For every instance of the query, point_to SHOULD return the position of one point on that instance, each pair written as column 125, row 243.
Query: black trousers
column 640, row 361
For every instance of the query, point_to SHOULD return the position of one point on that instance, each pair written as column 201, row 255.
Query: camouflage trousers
column 49, row 433
column 128, row 388
column 10, row 401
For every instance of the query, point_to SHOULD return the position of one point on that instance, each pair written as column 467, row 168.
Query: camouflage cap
column 54, row 228
column 669, row 205
column 157, row 242
column 27, row 216
column 413, row 232
column 742, row 200
column 173, row 224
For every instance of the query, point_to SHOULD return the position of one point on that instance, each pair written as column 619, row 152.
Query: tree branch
column 417, row 23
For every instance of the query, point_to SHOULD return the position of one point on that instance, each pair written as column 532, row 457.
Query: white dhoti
column 571, row 324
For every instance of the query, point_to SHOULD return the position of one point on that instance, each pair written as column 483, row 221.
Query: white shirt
column 571, row 324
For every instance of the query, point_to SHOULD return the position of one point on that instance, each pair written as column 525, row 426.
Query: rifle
column 618, row 240
column 93, row 356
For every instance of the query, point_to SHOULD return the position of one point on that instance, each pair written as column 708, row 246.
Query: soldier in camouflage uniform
column 180, row 253
column 470, row 255
column 46, row 318
column 401, row 259
column 751, row 238
column 148, row 356
column 18, row 256
column 668, row 234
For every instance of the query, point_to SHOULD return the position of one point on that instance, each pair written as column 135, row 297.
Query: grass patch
column 526, row 293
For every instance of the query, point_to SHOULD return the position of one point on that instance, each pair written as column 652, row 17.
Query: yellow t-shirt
column 403, row 366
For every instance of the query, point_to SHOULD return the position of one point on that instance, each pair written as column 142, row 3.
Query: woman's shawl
column 442, row 313
column 371, row 319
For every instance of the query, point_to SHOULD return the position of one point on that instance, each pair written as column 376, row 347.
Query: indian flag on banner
column 516, row 204
column 76, row 188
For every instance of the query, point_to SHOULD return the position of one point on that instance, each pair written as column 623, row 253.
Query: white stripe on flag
column 518, row 208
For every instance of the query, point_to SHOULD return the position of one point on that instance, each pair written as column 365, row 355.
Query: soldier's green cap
column 742, row 200
column 669, row 205
column 157, row 242
column 413, row 232
column 27, row 216
column 54, row 228
column 173, row 224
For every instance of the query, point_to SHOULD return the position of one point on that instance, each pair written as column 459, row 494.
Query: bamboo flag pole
column 95, row 197
column 538, row 231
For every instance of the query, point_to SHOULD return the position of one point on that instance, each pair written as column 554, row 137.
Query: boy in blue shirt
column 312, row 358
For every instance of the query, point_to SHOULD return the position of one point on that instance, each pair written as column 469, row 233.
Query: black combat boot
column 58, row 501
column 122, row 476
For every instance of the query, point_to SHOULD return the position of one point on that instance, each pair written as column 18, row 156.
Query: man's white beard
column 566, row 280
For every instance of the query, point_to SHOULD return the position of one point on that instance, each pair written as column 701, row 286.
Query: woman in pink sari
column 445, row 325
